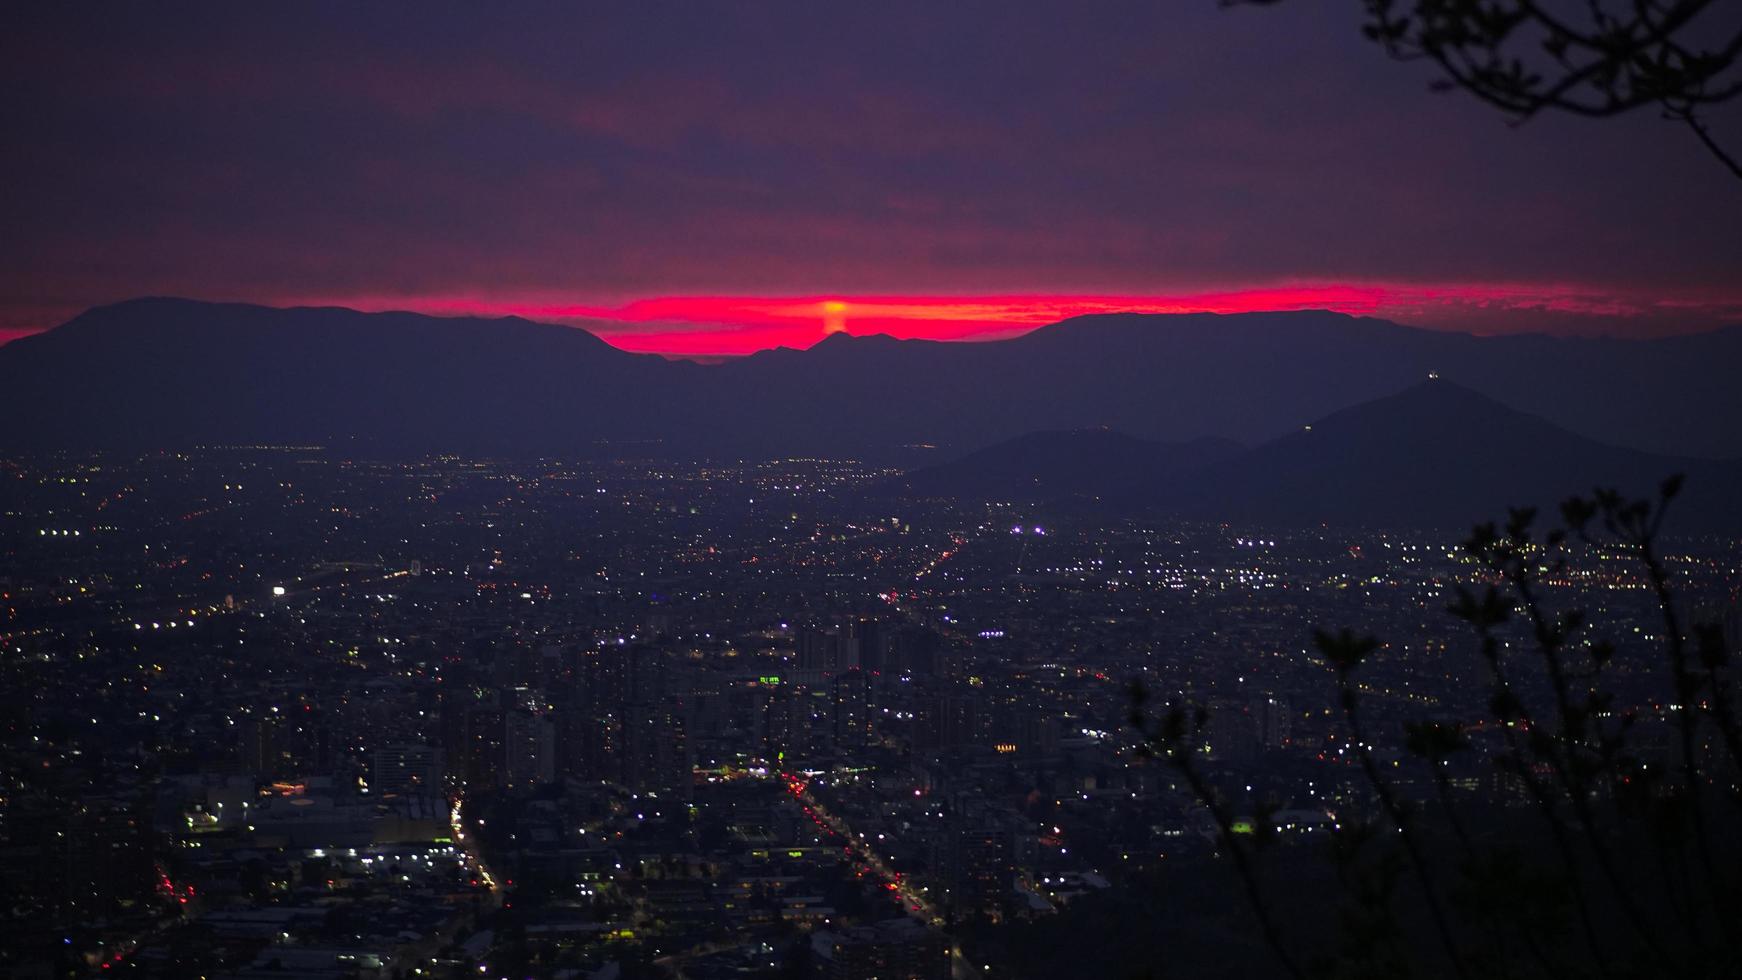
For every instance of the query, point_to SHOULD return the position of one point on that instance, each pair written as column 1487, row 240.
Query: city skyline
column 1145, row 490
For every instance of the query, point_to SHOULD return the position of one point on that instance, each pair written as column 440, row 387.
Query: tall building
column 982, row 867
column 775, row 720
column 1274, row 721
column 655, row 750
column 916, row 651
column 852, row 710
column 529, row 748
column 478, row 730
column 260, row 744
column 103, row 852
column 406, row 767
column 819, row 650
column 869, row 642
column 948, row 721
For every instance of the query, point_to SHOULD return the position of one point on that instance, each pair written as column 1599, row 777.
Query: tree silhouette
column 1629, row 867
column 1597, row 59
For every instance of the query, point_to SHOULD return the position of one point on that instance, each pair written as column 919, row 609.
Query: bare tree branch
column 1525, row 59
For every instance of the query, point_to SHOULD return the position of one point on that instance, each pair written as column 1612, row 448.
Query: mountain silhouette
column 1439, row 454
column 168, row 373
column 1246, row 377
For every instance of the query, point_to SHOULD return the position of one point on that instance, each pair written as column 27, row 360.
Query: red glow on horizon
column 713, row 326
column 737, row 325
column 730, row 325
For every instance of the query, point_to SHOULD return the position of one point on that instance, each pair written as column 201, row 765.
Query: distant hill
column 1248, row 377
column 1434, row 455
column 1044, row 466
column 166, row 373
column 1439, row 454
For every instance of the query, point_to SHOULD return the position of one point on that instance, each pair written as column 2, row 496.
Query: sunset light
column 910, row 490
column 737, row 325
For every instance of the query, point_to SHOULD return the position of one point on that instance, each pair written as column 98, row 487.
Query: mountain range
column 1122, row 406
column 162, row 373
column 1436, row 454
column 1439, row 453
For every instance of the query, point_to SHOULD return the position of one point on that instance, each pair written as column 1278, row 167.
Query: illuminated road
column 871, row 864
column 474, row 856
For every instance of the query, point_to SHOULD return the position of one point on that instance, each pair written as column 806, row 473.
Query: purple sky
column 590, row 160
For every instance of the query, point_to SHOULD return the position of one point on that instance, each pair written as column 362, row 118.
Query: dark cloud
column 610, row 152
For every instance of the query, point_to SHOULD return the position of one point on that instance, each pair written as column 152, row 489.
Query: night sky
column 717, row 178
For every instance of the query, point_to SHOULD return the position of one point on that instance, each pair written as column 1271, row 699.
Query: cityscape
column 809, row 490
column 278, row 710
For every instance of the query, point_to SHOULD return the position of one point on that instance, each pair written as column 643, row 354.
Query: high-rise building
column 869, row 641
column 406, row 767
column 948, row 721
column 818, row 650
column 1274, row 721
column 982, row 869
column 655, row 749
column 775, row 719
column 478, row 731
column 852, row 710
column 529, row 755
column 261, row 751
